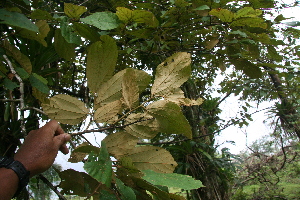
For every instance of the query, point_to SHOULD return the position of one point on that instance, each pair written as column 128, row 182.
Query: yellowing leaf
column 130, row 89
column 143, row 125
column 171, row 74
column 152, row 158
column 108, row 112
column 66, row 109
column 209, row 44
column 18, row 56
column 248, row 12
column 101, row 61
column 170, row 118
column 112, row 89
column 144, row 16
column 62, row 47
column 74, row 11
column 223, row 14
column 124, row 14
column 120, row 143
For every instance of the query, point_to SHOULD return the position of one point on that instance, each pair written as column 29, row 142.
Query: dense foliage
column 143, row 74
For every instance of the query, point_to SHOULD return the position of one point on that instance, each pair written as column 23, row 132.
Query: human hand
column 41, row 146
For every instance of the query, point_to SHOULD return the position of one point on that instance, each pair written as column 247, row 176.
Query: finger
column 60, row 141
column 64, row 149
column 51, row 127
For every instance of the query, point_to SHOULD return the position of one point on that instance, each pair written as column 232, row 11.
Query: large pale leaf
column 101, row 61
column 184, row 182
column 120, row 143
column 74, row 11
column 130, row 89
column 153, row 158
column 17, row 19
column 99, row 166
column 43, row 32
column 102, row 20
column 108, row 112
column 223, row 14
column 62, row 47
column 18, row 56
column 112, row 89
column 170, row 118
column 171, row 74
column 66, row 109
column 142, row 125
column 178, row 98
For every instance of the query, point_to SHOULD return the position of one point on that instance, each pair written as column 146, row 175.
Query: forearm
column 8, row 184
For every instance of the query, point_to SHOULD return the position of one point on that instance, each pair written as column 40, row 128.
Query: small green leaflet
column 17, row 19
column 172, row 180
column 9, row 84
column 102, row 20
column 99, row 166
column 67, row 31
column 74, row 11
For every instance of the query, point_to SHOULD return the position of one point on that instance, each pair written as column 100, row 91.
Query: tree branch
column 49, row 184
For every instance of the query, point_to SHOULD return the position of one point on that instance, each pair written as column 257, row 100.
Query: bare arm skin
column 37, row 154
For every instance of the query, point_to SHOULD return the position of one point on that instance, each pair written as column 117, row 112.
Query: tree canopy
column 143, row 74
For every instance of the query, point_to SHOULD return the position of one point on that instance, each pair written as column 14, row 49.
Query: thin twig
column 36, row 109
column 21, row 100
column 49, row 184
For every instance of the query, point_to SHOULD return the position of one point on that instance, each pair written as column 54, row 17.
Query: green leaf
column 99, row 166
column 66, row 109
column 120, row 143
column 171, row 74
column 184, row 182
column 62, row 47
column 247, row 67
column 204, row 7
column 170, row 118
column 74, row 11
column 248, row 12
column 150, row 157
column 86, row 32
column 101, row 61
column 22, row 73
column 108, row 113
column 223, row 14
column 67, row 31
column 39, row 82
column 17, row 19
column 102, row 20
column 250, row 21
column 130, row 89
column 22, row 59
column 43, row 32
column 40, row 14
column 9, row 84
column 77, row 183
column 144, row 16
column 124, row 14
column 126, row 192
column 142, row 125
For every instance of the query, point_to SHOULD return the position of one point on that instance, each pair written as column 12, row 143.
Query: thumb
column 60, row 142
